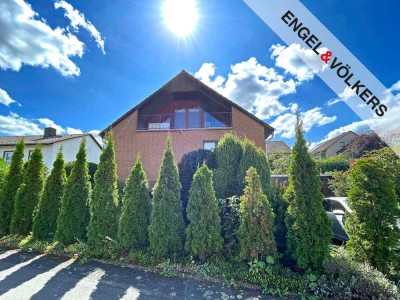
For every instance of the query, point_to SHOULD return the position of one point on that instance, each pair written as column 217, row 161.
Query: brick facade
column 150, row 145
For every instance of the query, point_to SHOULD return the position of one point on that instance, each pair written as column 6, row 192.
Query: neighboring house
column 333, row 146
column 277, row 147
column 50, row 143
column 191, row 113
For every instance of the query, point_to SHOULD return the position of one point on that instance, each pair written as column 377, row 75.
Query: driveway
column 30, row 276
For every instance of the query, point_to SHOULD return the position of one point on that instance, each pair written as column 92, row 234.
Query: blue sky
column 79, row 65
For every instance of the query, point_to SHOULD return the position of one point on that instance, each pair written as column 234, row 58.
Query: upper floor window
column 7, row 156
column 209, row 145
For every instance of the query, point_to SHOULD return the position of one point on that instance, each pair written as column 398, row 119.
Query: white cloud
column 50, row 123
column 285, row 124
column 253, row 86
column 25, row 39
column 73, row 130
column 78, row 20
column 345, row 95
column 5, row 99
column 95, row 131
column 13, row 124
column 300, row 62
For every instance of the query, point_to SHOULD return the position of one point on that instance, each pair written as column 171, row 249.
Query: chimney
column 49, row 132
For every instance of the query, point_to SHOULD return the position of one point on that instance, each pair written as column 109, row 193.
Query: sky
column 79, row 65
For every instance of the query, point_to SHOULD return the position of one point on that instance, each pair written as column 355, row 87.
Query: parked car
column 336, row 208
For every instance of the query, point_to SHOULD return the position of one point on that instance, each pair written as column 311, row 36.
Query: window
column 30, row 153
column 209, row 145
column 180, row 118
column 7, row 156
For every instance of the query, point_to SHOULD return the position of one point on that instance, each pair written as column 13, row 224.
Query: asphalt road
column 29, row 276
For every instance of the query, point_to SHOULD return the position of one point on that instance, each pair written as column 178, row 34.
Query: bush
column 229, row 214
column 74, row 213
column 372, row 224
column 135, row 216
column 340, row 183
column 28, row 195
column 92, row 168
column 103, row 203
column 45, row 221
column 334, row 163
column 279, row 163
column 187, row 167
column 279, row 206
column 309, row 227
column 167, row 228
column 10, row 187
column 256, row 230
column 203, row 235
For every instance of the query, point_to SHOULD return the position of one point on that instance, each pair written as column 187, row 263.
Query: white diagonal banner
column 338, row 68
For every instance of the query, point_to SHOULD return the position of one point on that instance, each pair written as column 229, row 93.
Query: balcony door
column 187, row 115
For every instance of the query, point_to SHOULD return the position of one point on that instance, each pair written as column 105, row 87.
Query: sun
column 180, row 16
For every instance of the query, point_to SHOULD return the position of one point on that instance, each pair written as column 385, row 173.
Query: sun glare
column 180, row 16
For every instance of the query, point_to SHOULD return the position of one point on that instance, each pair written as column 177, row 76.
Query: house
column 277, row 147
column 191, row 113
column 50, row 143
column 333, row 146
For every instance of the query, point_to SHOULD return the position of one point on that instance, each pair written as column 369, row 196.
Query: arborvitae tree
column 3, row 172
column 28, row 194
column 371, row 225
column 104, row 199
column 74, row 214
column 135, row 217
column 279, row 205
column 203, row 235
column 10, row 187
column 256, row 230
column 45, row 221
column 308, row 224
column 167, row 228
column 227, row 180
column 255, row 157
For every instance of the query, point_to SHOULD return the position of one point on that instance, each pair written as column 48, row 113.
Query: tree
column 372, row 227
column 104, row 199
column 28, row 195
column 203, row 235
column 362, row 144
column 187, row 167
column 74, row 214
column 3, row 172
column 279, row 163
column 167, row 228
column 279, row 206
column 254, row 157
column 256, row 230
column 45, row 221
column 227, row 180
column 135, row 217
column 340, row 183
column 10, row 187
column 91, row 166
column 308, row 224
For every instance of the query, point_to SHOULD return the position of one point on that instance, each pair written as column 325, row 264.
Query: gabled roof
column 185, row 82
column 277, row 147
column 39, row 140
column 325, row 145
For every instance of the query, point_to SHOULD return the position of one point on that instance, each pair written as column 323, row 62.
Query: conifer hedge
column 10, row 187
column 167, row 228
column 135, row 216
column 28, row 195
column 74, row 214
column 203, row 235
column 3, row 172
column 309, row 227
column 104, row 199
column 45, row 221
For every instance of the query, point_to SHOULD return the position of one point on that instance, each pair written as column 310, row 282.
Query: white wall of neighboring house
column 339, row 144
column 70, row 148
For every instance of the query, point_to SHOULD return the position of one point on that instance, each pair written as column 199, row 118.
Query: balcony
column 185, row 120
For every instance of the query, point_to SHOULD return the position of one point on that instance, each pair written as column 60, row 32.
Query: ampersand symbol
column 326, row 57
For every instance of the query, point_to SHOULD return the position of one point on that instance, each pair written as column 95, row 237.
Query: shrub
column 309, row 227
column 187, row 167
column 256, row 230
column 372, row 224
column 203, row 235
column 103, row 203
column 10, row 187
column 92, row 168
column 74, row 214
column 167, row 228
column 279, row 163
column 340, row 183
column 229, row 214
column 28, row 194
column 334, row 163
column 3, row 172
column 135, row 217
column 45, row 221
column 279, row 205
column 227, row 180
